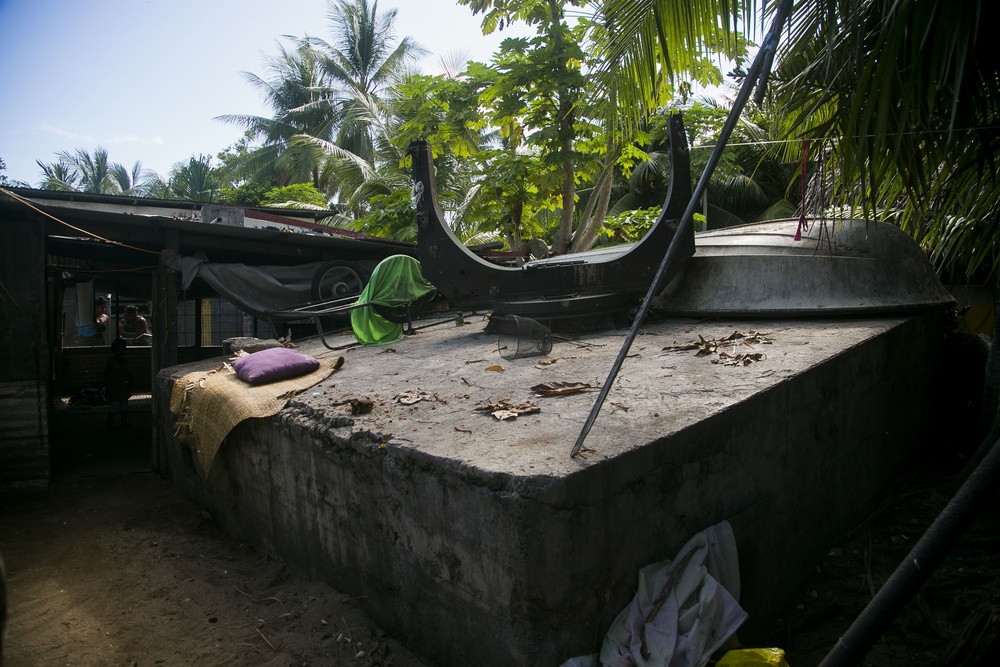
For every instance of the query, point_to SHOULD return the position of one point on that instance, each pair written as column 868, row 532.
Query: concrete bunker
column 483, row 542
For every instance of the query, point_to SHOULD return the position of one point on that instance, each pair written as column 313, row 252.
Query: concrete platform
column 482, row 542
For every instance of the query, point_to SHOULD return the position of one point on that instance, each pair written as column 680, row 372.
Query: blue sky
column 145, row 78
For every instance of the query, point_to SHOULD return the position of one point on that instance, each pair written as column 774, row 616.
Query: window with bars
column 207, row 322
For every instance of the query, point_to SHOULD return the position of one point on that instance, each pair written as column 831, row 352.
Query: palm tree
column 907, row 101
column 81, row 171
column 57, row 176
column 327, row 102
column 294, row 92
column 360, row 64
column 903, row 95
column 195, row 180
column 759, row 176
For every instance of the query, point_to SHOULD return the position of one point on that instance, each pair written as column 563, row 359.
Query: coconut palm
column 360, row 63
column 903, row 95
column 293, row 90
column 82, row 171
column 194, row 180
column 57, row 176
column 907, row 99
column 326, row 99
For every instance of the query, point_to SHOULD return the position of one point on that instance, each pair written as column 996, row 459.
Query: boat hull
column 843, row 267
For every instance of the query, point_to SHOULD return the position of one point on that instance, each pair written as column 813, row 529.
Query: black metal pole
column 765, row 55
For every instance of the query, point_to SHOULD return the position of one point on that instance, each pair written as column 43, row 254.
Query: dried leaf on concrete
column 703, row 346
column 706, row 347
column 560, row 388
column 749, row 338
column 496, row 368
column 413, row 396
column 740, row 359
column 504, row 409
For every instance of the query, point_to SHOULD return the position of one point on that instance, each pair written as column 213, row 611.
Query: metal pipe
column 765, row 55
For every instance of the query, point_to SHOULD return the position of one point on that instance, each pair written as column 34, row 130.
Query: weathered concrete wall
column 24, row 435
column 24, row 372
column 498, row 549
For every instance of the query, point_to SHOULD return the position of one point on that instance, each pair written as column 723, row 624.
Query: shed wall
column 24, row 371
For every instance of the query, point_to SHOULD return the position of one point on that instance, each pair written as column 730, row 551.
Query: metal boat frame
column 602, row 280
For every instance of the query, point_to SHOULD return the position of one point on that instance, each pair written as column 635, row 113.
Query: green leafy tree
column 244, row 194
column 298, row 195
column 536, row 96
column 559, row 95
column 390, row 216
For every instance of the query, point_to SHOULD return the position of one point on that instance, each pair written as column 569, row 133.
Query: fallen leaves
column 740, row 359
column 732, row 341
column 411, row 397
column 560, row 388
column 703, row 346
column 497, row 368
column 414, row 396
column 504, row 409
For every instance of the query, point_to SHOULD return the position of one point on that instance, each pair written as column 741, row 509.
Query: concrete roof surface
column 657, row 392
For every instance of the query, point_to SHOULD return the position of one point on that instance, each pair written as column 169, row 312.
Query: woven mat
column 208, row 404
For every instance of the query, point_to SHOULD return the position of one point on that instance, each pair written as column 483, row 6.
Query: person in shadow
column 133, row 327
column 118, row 383
column 101, row 317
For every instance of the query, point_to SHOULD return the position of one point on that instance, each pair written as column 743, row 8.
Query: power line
column 22, row 200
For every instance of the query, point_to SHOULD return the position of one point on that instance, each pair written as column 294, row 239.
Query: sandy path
column 120, row 570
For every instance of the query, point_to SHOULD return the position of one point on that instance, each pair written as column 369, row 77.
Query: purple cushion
column 279, row 363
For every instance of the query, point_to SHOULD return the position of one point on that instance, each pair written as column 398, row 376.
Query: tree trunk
column 595, row 212
column 567, row 117
column 513, row 231
column 560, row 244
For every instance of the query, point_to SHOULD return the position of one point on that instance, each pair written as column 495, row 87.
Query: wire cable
column 26, row 202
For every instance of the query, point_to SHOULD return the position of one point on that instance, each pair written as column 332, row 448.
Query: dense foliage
column 565, row 128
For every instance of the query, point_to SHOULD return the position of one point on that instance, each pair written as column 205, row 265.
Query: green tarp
column 395, row 283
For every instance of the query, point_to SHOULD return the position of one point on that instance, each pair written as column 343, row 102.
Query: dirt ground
column 110, row 566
